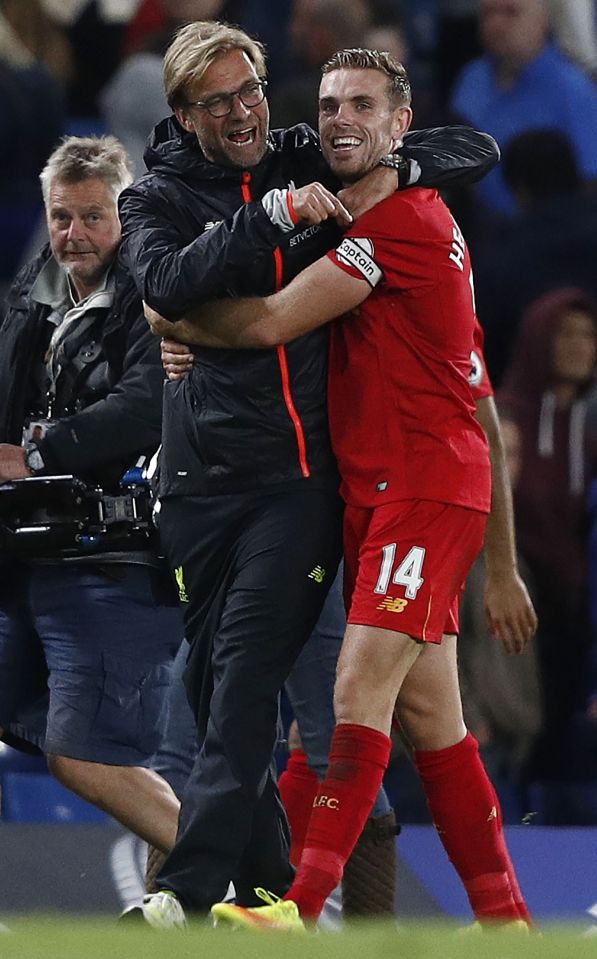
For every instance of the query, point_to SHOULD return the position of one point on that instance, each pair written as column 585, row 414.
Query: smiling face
column 358, row 120
column 84, row 230
column 236, row 140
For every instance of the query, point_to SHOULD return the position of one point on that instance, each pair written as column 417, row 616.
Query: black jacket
column 116, row 391
column 194, row 231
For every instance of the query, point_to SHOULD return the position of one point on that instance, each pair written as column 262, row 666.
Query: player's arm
column 510, row 613
column 175, row 273
column 317, row 295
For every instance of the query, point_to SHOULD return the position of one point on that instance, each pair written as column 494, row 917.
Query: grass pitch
column 48, row 938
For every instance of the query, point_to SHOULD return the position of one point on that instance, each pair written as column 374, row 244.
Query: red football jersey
column 401, row 408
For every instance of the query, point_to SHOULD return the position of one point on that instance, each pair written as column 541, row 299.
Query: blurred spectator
column 419, row 22
column 96, row 37
column 575, row 31
column 388, row 37
column 34, row 31
column 552, row 241
column 457, row 42
column 546, row 387
column 31, row 121
column 523, row 81
column 133, row 101
column 501, row 694
column 317, row 29
column 154, row 18
column 269, row 23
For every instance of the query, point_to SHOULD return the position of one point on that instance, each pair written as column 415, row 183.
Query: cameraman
column 86, row 637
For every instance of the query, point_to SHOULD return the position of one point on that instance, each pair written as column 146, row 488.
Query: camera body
column 45, row 516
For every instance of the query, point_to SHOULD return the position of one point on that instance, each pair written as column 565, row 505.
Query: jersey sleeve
column 479, row 379
column 363, row 252
column 385, row 244
column 356, row 256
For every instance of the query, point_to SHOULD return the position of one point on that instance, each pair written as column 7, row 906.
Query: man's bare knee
column 61, row 767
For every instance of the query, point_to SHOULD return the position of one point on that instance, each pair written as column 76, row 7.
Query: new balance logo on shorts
column 392, row 605
column 317, row 574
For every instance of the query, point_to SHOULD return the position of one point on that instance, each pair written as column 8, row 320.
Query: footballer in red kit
column 413, row 459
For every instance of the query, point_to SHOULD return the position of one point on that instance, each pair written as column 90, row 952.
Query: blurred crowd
column 522, row 70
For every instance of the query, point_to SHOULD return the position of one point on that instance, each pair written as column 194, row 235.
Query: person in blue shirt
column 522, row 82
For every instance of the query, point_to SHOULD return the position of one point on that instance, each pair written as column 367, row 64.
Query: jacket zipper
column 281, row 350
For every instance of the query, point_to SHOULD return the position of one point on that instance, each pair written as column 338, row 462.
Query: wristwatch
column 34, row 461
column 399, row 163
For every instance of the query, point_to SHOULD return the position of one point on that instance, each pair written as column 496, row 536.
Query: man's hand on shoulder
column 13, row 465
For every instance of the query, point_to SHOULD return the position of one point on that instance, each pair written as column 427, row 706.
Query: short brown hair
column 359, row 59
column 86, row 158
column 196, row 46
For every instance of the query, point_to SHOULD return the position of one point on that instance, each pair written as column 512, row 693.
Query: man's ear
column 184, row 119
column 402, row 121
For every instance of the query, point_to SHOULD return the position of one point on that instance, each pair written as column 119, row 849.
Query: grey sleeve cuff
column 275, row 204
column 414, row 173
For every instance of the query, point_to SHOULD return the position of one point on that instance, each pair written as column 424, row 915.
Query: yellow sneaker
column 278, row 914
column 512, row 925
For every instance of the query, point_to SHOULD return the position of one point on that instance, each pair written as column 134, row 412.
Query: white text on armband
column 358, row 252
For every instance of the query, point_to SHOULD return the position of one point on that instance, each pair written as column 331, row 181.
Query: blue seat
column 85, row 126
column 38, row 797
column 15, row 761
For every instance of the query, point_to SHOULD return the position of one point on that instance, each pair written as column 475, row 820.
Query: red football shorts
column 406, row 564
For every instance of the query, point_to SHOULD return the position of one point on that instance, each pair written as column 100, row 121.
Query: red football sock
column 358, row 759
column 298, row 787
column 523, row 912
column 467, row 815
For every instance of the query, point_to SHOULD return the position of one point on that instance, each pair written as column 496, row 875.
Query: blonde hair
column 196, row 46
column 359, row 59
column 83, row 158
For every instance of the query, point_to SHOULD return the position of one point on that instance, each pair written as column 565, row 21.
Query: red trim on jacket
column 282, row 358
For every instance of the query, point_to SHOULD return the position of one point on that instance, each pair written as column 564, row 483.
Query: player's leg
column 109, row 648
column 359, row 755
column 179, row 746
column 298, row 786
column 463, row 803
column 369, row 881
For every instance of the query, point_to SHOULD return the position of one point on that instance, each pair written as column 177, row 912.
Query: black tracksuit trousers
column 254, row 570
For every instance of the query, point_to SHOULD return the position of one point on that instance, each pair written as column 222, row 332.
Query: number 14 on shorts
column 407, row 573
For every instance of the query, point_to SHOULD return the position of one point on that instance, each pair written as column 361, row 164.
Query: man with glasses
column 250, row 512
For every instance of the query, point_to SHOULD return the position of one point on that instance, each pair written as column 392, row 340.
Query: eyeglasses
column 221, row 104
